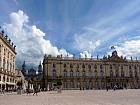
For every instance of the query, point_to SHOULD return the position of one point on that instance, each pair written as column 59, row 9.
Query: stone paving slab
column 74, row 97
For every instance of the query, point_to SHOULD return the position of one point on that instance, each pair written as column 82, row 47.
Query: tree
column 19, row 83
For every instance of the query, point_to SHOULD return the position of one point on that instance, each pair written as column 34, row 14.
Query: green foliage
column 59, row 82
column 19, row 83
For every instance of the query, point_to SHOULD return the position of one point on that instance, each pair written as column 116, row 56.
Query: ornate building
column 7, row 63
column 84, row 73
column 34, row 77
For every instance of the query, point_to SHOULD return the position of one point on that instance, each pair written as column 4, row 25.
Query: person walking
column 28, row 90
column 107, row 88
column 35, row 91
column 115, row 87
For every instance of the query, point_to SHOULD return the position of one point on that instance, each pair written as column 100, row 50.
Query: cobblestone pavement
column 74, row 97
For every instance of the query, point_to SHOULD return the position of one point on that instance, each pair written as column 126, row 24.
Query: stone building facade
column 7, row 63
column 89, row 73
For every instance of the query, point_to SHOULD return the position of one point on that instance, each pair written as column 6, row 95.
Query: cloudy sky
column 71, row 27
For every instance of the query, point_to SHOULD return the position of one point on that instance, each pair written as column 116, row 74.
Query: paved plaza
column 74, row 97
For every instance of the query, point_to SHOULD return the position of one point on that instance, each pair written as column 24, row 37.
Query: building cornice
column 7, row 43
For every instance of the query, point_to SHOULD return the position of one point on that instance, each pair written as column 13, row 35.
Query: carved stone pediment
column 115, row 58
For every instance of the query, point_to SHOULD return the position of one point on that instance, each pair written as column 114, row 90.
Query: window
column 135, row 67
column 122, row 73
column 3, row 78
column 10, row 67
column 110, row 66
column 136, row 73
column 0, row 48
column 130, row 73
column 95, row 73
column 117, row 73
column 0, row 62
column 71, row 73
column 65, row 65
column 89, row 66
column 7, row 79
column 101, row 73
column 89, row 73
column 83, row 73
column 54, row 73
column 77, row 65
column 83, row 66
column 95, row 66
column 7, row 65
column 77, row 73
column 130, row 67
column 121, row 67
column 101, row 67
column 111, row 73
column 71, row 66
column 53, row 65
column 65, row 73
column 4, row 63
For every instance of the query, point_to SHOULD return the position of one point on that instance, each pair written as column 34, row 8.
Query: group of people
column 35, row 91
column 114, row 88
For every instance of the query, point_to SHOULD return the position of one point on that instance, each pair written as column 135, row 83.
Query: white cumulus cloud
column 85, row 54
column 85, row 43
column 129, row 49
column 30, row 41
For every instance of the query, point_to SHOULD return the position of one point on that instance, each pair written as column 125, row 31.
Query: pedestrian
column 107, row 88
column 35, row 91
column 115, row 87
column 28, row 90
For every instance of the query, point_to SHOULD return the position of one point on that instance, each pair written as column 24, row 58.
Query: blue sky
column 78, row 26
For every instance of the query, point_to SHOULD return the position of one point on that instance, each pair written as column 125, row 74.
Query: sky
column 71, row 28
